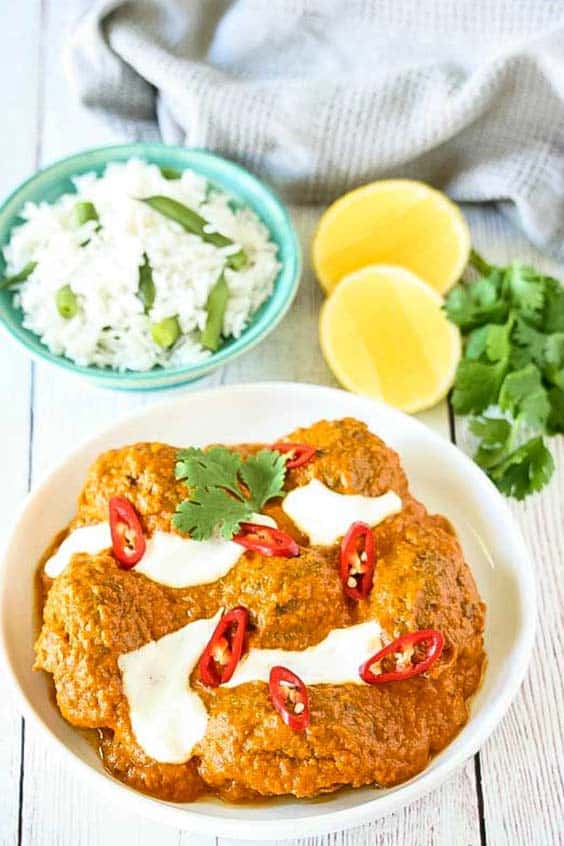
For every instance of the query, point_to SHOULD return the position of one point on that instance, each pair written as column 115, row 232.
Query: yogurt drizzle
column 167, row 715
column 169, row 559
column 325, row 515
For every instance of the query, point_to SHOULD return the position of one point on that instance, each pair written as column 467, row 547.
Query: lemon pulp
column 383, row 333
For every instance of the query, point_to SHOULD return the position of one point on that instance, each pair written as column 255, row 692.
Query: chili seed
column 220, row 652
column 299, row 708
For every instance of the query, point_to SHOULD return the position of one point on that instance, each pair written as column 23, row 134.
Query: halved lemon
column 383, row 333
column 395, row 221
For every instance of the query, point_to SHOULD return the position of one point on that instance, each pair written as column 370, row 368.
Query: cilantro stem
column 480, row 264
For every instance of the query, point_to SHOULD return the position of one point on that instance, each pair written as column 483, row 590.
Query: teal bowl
column 49, row 184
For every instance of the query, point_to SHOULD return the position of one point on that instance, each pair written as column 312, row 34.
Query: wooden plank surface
column 20, row 101
column 519, row 766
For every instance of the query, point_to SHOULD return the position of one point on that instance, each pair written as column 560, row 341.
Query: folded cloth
column 318, row 96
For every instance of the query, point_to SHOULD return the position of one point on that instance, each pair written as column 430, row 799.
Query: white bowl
column 441, row 476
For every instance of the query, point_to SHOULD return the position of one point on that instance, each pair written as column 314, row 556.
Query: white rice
column 111, row 328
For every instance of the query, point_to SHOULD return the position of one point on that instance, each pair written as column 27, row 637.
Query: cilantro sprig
column 224, row 489
column 511, row 377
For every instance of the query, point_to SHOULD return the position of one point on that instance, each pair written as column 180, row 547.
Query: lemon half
column 383, row 333
column 395, row 221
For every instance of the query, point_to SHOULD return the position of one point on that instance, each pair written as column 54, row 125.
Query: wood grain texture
column 20, row 115
column 519, row 766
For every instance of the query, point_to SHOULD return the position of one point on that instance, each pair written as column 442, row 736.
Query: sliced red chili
column 128, row 540
column 267, row 541
column 357, row 561
column 223, row 652
column 434, row 642
column 289, row 697
column 299, row 454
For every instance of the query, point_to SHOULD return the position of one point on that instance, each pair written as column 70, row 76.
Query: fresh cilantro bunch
column 225, row 490
column 512, row 374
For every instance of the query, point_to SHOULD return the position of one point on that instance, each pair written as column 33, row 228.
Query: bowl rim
column 477, row 729
column 159, row 377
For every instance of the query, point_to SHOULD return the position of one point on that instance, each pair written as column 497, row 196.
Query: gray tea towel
column 318, row 96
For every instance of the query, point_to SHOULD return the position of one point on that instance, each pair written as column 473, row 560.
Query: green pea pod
column 170, row 173
column 67, row 303
column 83, row 212
column 166, row 332
column 146, row 289
column 192, row 222
column 217, row 302
column 19, row 277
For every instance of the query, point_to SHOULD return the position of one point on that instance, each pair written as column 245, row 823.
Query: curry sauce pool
column 357, row 733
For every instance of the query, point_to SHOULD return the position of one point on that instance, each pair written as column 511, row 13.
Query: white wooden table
column 510, row 794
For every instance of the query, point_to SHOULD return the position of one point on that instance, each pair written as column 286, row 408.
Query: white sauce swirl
column 169, row 718
column 169, row 559
column 334, row 660
column 90, row 539
column 325, row 516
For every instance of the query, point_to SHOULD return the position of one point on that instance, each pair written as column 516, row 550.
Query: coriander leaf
column 459, row 308
column 497, row 342
column 218, row 502
column 526, row 289
column 495, row 281
column 553, row 315
column 215, row 467
column 513, row 319
column 530, row 345
column 490, row 342
column 470, row 305
column 476, row 343
column 554, row 359
column 493, row 431
column 476, row 386
column 487, row 290
column 263, row 474
column 495, row 434
column 555, row 422
column 213, row 511
column 525, row 470
column 524, row 397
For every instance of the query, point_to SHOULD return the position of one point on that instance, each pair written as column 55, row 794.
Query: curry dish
column 378, row 729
